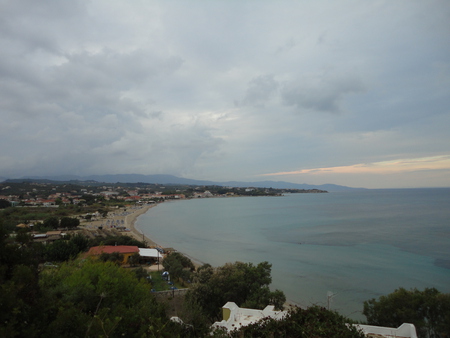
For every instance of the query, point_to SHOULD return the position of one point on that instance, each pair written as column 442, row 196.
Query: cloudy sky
column 347, row 92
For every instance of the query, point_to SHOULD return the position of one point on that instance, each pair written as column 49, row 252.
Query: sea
column 335, row 249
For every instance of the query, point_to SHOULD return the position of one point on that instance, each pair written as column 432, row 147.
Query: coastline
column 130, row 221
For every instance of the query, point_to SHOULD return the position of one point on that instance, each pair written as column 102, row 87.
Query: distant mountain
column 170, row 179
column 289, row 185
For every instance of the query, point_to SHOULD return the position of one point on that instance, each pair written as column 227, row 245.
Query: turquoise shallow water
column 357, row 245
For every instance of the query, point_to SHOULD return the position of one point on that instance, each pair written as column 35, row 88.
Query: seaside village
column 119, row 221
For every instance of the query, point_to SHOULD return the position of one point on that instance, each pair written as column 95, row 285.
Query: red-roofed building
column 125, row 250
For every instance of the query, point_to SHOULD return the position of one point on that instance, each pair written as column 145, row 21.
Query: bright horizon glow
column 383, row 168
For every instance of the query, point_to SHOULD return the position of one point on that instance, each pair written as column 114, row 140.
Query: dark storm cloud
column 223, row 90
column 322, row 93
column 260, row 90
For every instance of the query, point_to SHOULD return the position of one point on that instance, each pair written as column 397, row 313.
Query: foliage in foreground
column 101, row 298
column 243, row 283
column 428, row 310
column 82, row 299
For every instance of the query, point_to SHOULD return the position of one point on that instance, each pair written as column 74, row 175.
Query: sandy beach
column 130, row 221
column 125, row 218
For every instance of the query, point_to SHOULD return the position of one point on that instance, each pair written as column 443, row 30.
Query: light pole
column 330, row 295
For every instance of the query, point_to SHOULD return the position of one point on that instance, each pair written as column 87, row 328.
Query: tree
column 117, row 240
column 69, row 222
column 23, row 237
column 134, row 259
column 61, row 251
column 103, row 300
column 51, row 222
column 81, row 242
column 115, row 257
column 178, row 266
column 428, row 310
column 18, row 287
column 4, row 204
column 243, row 283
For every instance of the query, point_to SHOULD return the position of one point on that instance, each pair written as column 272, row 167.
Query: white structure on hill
column 403, row 331
column 234, row 317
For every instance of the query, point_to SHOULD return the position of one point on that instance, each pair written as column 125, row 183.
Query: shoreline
column 130, row 221
column 139, row 235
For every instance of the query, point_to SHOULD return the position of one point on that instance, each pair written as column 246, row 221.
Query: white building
column 234, row 317
column 404, row 331
column 150, row 253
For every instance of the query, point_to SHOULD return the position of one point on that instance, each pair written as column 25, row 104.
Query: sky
column 354, row 93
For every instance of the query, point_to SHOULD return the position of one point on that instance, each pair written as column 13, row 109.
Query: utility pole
column 330, row 295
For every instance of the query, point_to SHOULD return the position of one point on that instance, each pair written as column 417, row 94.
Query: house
column 54, row 235
column 126, row 250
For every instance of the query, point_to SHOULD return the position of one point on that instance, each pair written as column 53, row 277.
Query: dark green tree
column 243, row 283
column 61, row 251
column 117, row 240
column 103, row 299
column 133, row 260
column 178, row 266
column 114, row 257
column 19, row 291
column 69, row 222
column 23, row 237
column 51, row 222
column 81, row 242
column 4, row 204
column 428, row 310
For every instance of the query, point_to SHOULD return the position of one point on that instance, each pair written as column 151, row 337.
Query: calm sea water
column 352, row 245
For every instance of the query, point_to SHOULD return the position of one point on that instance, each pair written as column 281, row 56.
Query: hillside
column 170, row 179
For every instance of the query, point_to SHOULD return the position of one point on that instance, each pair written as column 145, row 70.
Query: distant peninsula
column 44, row 192
column 174, row 180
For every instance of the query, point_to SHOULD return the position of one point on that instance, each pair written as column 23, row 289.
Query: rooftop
column 97, row 250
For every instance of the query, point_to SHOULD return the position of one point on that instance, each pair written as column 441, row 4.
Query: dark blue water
column 356, row 245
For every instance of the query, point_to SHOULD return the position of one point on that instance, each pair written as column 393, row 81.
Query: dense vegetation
column 428, row 310
column 75, row 297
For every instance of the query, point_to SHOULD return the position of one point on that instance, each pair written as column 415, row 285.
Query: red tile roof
column 97, row 250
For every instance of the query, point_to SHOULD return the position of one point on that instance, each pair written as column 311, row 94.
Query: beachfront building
column 125, row 250
column 149, row 255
